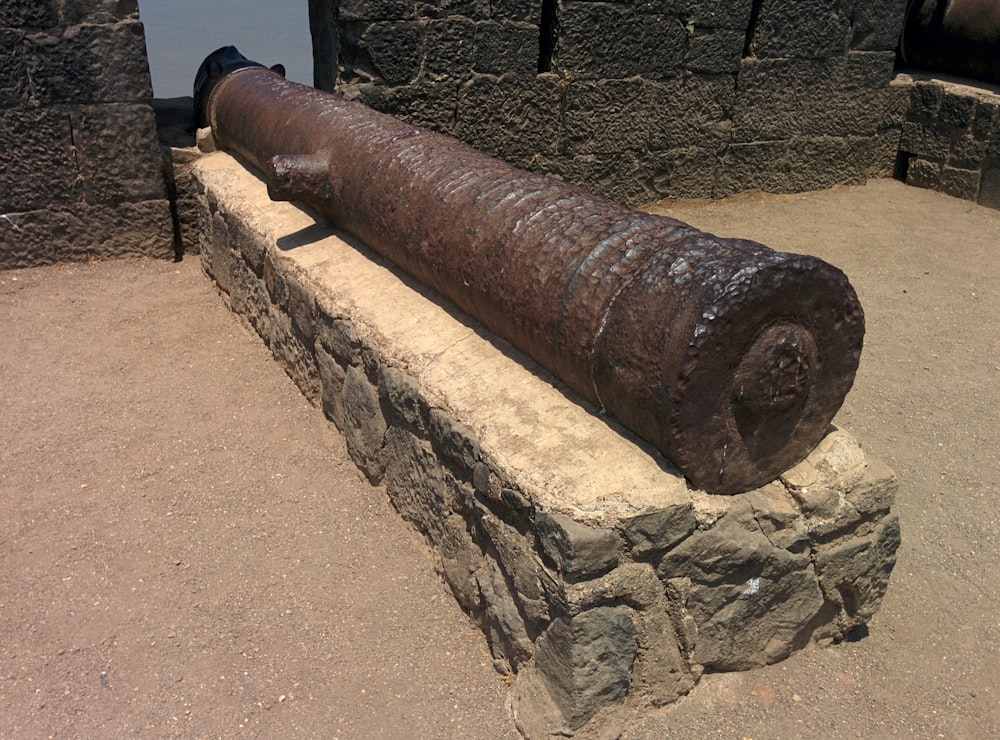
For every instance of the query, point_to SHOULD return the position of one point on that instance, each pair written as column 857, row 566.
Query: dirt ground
column 185, row 548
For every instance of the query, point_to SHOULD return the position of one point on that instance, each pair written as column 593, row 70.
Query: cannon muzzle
column 730, row 358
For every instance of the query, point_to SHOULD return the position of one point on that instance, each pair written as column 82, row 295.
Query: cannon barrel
column 730, row 358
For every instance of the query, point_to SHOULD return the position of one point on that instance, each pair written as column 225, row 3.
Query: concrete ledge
column 599, row 578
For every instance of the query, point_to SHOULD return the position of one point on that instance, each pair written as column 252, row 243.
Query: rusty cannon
column 729, row 357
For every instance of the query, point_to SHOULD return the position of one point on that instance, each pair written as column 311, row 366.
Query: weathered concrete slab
column 598, row 576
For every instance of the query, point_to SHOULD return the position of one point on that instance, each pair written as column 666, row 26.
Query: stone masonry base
column 602, row 582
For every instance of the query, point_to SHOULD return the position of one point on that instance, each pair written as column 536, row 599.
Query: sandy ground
column 187, row 550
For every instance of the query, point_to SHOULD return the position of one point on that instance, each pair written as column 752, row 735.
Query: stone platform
column 602, row 582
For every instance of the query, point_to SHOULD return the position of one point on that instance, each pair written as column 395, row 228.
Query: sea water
column 181, row 33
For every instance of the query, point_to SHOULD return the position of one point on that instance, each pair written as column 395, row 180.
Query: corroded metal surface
column 957, row 36
column 729, row 357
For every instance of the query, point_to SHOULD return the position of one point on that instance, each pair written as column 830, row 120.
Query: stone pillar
column 81, row 174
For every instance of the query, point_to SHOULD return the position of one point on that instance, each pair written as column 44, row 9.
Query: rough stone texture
column 636, row 101
column 81, row 173
column 950, row 140
column 602, row 582
column 586, row 661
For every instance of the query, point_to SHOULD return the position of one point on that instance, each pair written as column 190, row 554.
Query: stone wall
column 601, row 580
column 634, row 100
column 80, row 168
column 951, row 139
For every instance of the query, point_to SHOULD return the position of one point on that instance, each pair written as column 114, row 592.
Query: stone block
column 807, row 29
column 50, row 235
column 576, row 550
column 400, row 395
column 863, row 69
column 968, row 152
column 875, row 493
column 506, row 48
column 13, row 70
column 502, row 620
column 714, row 50
column 957, row 109
column 824, row 162
column 854, row 574
column 633, row 584
column 302, row 311
column 781, row 98
column 38, row 168
column 461, row 559
column 657, row 531
column 511, row 118
column 98, row 11
column 29, row 14
column 274, row 281
column 728, row 14
column 925, row 99
column 926, row 140
column 885, row 149
column 779, row 518
column 90, row 64
column 896, row 105
column 754, row 166
column 960, row 183
column 364, row 426
column 993, row 148
column 911, row 137
column 877, row 24
column 453, row 442
column 219, row 257
column 259, row 308
column 251, row 248
column 416, row 483
column 620, row 176
column 693, row 111
column 181, row 190
column 331, row 380
column 427, row 104
column 987, row 119
column 529, row 11
column 519, row 562
column 449, row 48
column 298, row 359
column 923, row 173
column 685, row 173
column 339, row 338
column 607, row 117
column 989, row 187
column 602, row 41
column 117, row 152
column 753, row 603
column 586, row 661
column 475, row 9
column 374, row 10
column 387, row 52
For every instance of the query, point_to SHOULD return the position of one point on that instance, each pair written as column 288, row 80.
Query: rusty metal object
column 729, row 357
column 217, row 65
column 957, row 36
